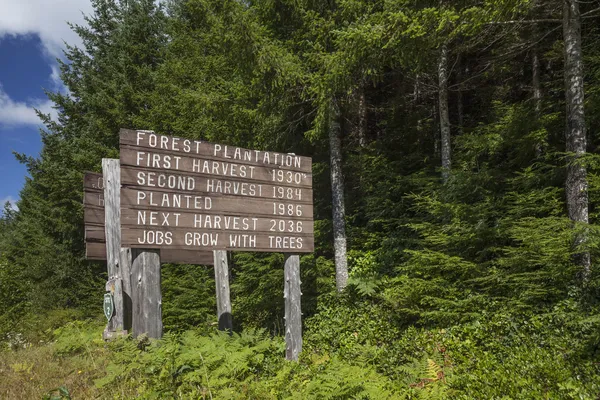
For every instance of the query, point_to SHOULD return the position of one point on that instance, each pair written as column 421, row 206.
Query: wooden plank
column 293, row 310
column 93, row 198
column 222, row 290
column 158, row 162
column 174, row 219
column 173, row 145
column 95, row 234
column 93, row 216
column 97, row 251
column 178, row 256
column 207, row 239
column 93, row 180
column 93, row 188
column 213, row 204
column 147, row 297
column 182, row 182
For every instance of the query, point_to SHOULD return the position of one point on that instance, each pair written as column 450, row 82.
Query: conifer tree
column 107, row 82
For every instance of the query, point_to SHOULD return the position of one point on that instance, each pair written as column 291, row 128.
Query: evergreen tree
column 107, row 81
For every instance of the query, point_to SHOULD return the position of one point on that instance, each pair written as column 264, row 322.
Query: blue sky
column 32, row 36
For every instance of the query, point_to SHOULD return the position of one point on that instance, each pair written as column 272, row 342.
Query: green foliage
column 13, row 297
column 188, row 297
column 58, row 394
column 528, row 358
column 256, row 291
column 350, row 327
column 190, row 364
column 31, row 328
column 467, row 288
column 246, row 365
column 76, row 337
column 501, row 354
column 427, row 378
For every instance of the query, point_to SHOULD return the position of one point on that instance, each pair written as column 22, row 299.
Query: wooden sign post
column 147, row 300
column 96, row 249
column 222, row 289
column 183, row 194
column 293, row 310
column 118, row 268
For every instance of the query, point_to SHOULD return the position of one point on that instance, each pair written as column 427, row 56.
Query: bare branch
column 525, row 21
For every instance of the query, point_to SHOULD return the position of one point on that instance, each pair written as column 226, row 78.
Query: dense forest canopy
column 456, row 179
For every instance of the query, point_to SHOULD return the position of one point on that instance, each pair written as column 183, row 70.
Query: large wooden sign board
column 193, row 195
column 95, row 240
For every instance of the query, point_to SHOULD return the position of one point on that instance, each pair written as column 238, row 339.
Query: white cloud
column 55, row 78
column 45, row 18
column 11, row 200
column 14, row 113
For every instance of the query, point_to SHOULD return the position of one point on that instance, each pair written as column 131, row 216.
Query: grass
column 34, row 371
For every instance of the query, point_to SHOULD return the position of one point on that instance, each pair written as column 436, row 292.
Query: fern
column 427, row 377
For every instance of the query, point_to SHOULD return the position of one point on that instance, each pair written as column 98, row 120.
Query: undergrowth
column 498, row 356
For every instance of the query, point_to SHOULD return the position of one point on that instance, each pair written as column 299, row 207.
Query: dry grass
column 33, row 372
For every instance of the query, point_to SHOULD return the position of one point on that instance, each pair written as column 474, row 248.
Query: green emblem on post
column 109, row 306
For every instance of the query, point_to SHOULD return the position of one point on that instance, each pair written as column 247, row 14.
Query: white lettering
column 139, row 137
column 241, row 241
column 152, row 140
column 140, row 196
column 201, row 239
column 156, row 238
column 285, row 242
column 153, row 179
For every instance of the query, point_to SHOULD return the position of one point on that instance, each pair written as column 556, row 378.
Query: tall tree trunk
column 537, row 93
column 537, row 88
column 362, row 117
column 460, row 109
column 444, row 114
column 436, row 128
column 535, row 79
column 576, row 182
column 337, row 190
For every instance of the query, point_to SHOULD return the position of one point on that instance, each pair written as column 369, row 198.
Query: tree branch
column 536, row 21
column 524, row 21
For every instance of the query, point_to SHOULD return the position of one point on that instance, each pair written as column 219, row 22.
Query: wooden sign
column 190, row 194
column 93, row 216
column 95, row 241
column 109, row 306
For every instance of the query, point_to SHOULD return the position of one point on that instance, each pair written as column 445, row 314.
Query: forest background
column 455, row 157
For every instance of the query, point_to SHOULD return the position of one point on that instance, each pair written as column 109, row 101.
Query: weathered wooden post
column 293, row 311
column 118, row 284
column 147, row 296
column 125, row 262
column 222, row 289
